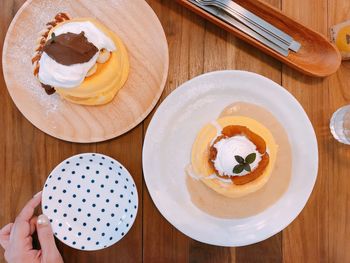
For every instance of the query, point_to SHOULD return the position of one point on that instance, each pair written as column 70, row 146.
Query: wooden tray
column 317, row 56
column 139, row 28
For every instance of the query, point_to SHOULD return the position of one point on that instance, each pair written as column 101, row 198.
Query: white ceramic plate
column 91, row 201
column 169, row 140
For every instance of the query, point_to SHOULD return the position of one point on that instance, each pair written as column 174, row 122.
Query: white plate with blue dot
column 91, row 201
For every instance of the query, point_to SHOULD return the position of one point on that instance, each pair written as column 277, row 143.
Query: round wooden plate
column 134, row 22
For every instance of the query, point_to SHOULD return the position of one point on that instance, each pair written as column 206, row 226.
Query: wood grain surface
column 319, row 234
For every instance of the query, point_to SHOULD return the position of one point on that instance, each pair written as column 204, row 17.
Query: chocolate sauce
column 69, row 48
column 48, row 89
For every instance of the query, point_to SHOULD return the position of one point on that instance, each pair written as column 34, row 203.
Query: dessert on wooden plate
column 81, row 59
column 233, row 155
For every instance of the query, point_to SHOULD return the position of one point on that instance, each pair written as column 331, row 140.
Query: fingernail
column 37, row 194
column 43, row 220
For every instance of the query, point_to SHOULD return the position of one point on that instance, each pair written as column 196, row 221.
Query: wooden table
column 321, row 233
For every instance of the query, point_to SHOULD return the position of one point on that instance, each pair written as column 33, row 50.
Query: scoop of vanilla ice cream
column 228, row 148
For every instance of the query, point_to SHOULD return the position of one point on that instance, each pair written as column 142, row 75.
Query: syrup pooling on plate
column 220, row 206
column 195, row 176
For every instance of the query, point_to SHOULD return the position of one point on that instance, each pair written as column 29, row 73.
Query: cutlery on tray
column 271, row 31
column 243, row 19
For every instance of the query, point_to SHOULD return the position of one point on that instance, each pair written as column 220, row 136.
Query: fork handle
column 259, row 21
column 252, row 26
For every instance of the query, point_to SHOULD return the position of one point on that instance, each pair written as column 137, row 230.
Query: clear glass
column 340, row 125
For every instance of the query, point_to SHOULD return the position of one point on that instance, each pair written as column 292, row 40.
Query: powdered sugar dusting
column 22, row 48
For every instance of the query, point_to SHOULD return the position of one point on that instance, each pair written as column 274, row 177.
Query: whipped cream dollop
column 63, row 76
column 228, row 148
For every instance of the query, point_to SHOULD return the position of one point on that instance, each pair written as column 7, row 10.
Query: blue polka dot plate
column 91, row 201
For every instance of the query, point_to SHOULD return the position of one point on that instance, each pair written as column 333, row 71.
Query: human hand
column 16, row 238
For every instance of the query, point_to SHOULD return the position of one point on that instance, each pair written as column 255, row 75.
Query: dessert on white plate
column 233, row 155
column 197, row 209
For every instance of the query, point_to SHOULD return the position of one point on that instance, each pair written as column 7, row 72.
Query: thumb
column 49, row 250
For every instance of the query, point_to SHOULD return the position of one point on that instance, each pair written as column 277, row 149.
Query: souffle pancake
column 234, row 155
column 82, row 60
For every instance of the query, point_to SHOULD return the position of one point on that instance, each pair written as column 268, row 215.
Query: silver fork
column 264, row 25
column 254, row 22
column 234, row 14
column 224, row 16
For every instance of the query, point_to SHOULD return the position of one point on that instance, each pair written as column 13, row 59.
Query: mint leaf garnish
column 238, row 169
column 244, row 164
column 239, row 159
column 250, row 158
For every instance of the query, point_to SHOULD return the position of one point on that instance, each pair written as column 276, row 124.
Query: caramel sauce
column 59, row 18
column 52, row 23
column 45, row 34
column 36, row 58
column 36, row 71
column 39, row 49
